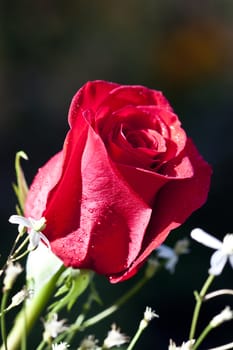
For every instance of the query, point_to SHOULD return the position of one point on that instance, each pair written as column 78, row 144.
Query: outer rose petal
column 174, row 203
column 145, row 183
column 135, row 95
column 89, row 97
column 113, row 218
column 46, row 178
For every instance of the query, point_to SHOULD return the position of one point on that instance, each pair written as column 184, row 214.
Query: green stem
column 137, row 335
column 22, row 245
column 12, row 251
column 33, row 309
column 122, row 300
column 41, row 345
column 24, row 334
column 80, row 319
column 20, row 256
column 199, row 300
column 3, row 323
column 105, row 313
column 202, row 336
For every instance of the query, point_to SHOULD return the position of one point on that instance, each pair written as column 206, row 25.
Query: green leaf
column 75, row 283
column 20, row 188
column 62, row 290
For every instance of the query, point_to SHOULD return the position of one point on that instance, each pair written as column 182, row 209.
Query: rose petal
column 62, row 211
column 113, row 218
column 45, row 180
column 89, row 97
column 174, row 204
column 136, row 95
column 145, row 183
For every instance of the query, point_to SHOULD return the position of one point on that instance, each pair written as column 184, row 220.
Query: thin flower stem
column 27, row 317
column 218, row 293
column 41, row 345
column 136, row 337
column 80, row 319
column 10, row 307
column 24, row 333
column 118, row 303
column 202, row 336
column 3, row 323
column 68, row 335
column 199, row 300
column 22, row 245
column 19, row 257
column 20, row 234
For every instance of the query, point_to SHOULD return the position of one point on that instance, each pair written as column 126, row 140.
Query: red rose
column 127, row 176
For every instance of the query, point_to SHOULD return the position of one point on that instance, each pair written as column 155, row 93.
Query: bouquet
column 127, row 175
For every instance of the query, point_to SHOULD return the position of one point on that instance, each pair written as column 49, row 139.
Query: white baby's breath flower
column 225, row 315
column 115, row 338
column 33, row 227
column 172, row 255
column 224, row 249
column 11, row 273
column 149, row 314
column 19, row 297
column 53, row 327
column 185, row 346
column 89, row 343
column 60, row 346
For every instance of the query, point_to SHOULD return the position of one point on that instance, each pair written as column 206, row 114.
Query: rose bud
column 126, row 176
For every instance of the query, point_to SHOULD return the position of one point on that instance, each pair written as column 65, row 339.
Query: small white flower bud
column 223, row 316
column 115, row 338
column 185, row 346
column 53, row 327
column 60, row 346
column 11, row 273
column 149, row 314
column 19, row 297
column 89, row 343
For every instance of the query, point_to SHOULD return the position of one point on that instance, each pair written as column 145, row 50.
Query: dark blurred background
column 49, row 49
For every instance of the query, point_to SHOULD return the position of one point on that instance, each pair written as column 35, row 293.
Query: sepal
column 20, row 187
column 72, row 283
